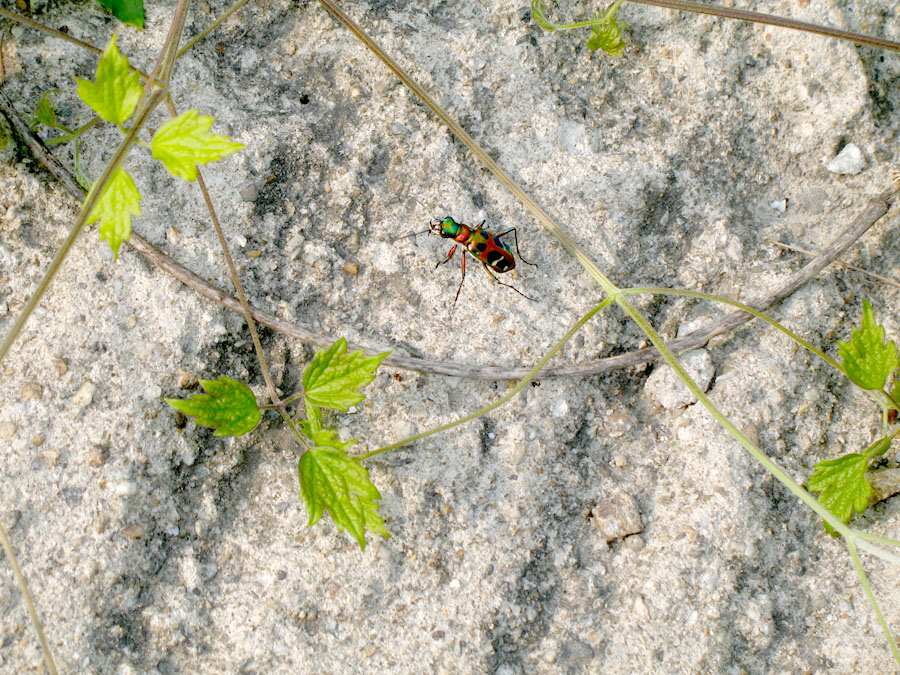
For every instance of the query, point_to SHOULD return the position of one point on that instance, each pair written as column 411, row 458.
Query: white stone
column 849, row 161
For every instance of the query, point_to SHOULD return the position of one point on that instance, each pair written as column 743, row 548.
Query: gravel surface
column 602, row 524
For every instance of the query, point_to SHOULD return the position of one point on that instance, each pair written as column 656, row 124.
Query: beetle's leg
column 463, row 254
column 515, row 239
column 488, row 270
column 449, row 255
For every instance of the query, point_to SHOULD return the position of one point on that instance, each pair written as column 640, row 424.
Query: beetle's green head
column 447, row 228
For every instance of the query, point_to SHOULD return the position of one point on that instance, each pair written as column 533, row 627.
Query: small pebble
column 126, row 488
column 61, row 365
column 135, row 531
column 634, row 542
column 31, row 391
column 186, row 380
column 11, row 518
column 617, row 516
column 98, row 455
column 849, row 161
column 350, row 268
column 50, row 457
column 665, row 388
column 84, row 395
column 7, row 430
column 132, row 322
column 779, row 205
column 249, row 193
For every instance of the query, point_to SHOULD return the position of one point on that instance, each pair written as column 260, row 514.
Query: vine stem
column 772, row 20
column 29, row 603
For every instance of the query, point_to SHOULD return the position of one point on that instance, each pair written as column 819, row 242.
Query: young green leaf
column 606, row 29
column 228, row 406
column 329, row 480
column 117, row 90
column 606, row 34
column 127, row 11
column 323, row 438
column 868, row 360
column 333, row 376
column 843, row 485
column 183, row 143
column 45, row 112
column 119, row 201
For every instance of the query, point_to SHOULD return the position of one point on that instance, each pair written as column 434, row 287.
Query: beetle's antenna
column 430, row 212
column 407, row 236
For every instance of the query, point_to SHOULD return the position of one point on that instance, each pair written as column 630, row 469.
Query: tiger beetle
column 493, row 254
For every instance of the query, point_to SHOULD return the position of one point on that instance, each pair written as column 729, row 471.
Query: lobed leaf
column 45, row 112
column 184, row 142
column 127, row 11
column 117, row 89
column 333, row 376
column 119, row 201
column 606, row 34
column 228, row 406
column 331, row 481
column 843, row 486
column 867, row 359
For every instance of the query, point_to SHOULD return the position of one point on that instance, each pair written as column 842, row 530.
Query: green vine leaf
column 184, row 142
column 333, row 376
column 329, row 480
column 45, row 112
column 843, row 485
column 119, row 201
column 843, row 481
column 606, row 34
column 117, row 90
column 228, row 406
column 127, row 11
column 867, row 359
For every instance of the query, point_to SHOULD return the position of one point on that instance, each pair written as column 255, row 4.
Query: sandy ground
column 157, row 549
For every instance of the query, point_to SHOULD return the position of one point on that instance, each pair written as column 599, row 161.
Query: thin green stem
column 863, row 579
column 499, row 402
column 211, row 27
column 74, row 134
column 738, row 305
column 285, row 401
column 880, row 540
column 537, row 12
column 29, row 603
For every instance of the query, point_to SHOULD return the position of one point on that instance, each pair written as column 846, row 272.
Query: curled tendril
column 606, row 29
